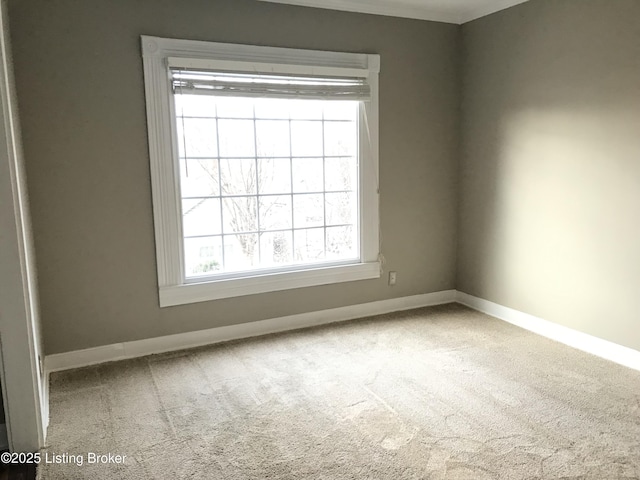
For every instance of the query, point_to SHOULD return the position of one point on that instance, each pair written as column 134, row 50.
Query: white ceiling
column 449, row 11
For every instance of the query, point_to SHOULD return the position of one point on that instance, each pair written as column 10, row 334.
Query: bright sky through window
column 266, row 183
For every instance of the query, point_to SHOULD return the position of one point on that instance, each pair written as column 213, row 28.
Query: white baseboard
column 587, row 343
column 180, row 341
column 139, row 348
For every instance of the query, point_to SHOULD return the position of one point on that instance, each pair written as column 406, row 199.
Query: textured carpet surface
column 436, row 393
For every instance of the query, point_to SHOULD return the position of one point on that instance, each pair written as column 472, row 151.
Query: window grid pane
column 270, row 215
column 272, row 230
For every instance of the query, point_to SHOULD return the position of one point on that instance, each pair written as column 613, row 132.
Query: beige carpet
column 438, row 393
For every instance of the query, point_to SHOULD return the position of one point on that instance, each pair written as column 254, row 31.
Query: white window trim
column 173, row 289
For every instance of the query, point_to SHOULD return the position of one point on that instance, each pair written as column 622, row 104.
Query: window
column 264, row 167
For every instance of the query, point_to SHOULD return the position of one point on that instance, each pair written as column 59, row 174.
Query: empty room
column 306, row 239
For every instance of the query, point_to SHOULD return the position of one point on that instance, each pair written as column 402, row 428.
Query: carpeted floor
column 437, row 393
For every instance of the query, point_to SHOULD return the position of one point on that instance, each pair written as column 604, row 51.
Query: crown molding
column 492, row 7
column 377, row 7
column 404, row 10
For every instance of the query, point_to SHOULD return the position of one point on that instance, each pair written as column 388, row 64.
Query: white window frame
column 174, row 289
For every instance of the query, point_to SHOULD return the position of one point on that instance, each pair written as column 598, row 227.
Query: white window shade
column 263, row 85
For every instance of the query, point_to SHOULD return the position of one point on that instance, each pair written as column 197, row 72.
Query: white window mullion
column 293, row 237
column 255, row 151
column 324, row 189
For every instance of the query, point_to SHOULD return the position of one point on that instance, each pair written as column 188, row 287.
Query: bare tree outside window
column 266, row 182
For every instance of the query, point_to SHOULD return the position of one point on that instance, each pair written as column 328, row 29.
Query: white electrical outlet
column 392, row 278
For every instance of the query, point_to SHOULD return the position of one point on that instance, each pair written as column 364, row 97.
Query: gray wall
column 549, row 220
column 80, row 87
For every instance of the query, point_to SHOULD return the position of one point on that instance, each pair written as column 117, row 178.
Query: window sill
column 214, row 290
